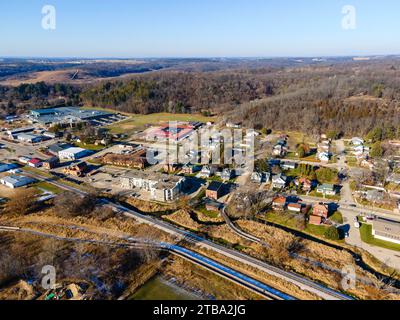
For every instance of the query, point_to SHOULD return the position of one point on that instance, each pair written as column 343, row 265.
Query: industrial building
column 71, row 116
column 14, row 182
column 28, row 137
column 73, row 153
column 7, row 166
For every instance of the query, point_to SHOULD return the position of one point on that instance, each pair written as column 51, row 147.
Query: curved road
column 301, row 282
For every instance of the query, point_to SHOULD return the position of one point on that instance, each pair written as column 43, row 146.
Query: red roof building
column 316, row 220
column 279, row 203
column 35, row 163
column 321, row 210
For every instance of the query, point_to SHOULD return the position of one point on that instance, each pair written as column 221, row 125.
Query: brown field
column 51, row 77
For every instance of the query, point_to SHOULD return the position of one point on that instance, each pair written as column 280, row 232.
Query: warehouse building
column 14, row 182
column 73, row 153
column 7, row 166
column 28, row 137
column 71, row 115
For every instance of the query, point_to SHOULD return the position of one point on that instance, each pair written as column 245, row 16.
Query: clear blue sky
column 199, row 28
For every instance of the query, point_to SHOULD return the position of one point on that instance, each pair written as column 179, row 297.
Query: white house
column 327, row 189
column 260, row 177
column 279, row 181
column 207, row 171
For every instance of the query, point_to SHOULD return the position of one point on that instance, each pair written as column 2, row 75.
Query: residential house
column 207, row 171
column 260, row 177
column 279, row 181
column 306, row 184
column 295, row 207
column 327, row 189
column 215, row 190
column 387, row 230
column 190, row 169
column 227, row 174
column 299, row 207
column 316, row 220
column 279, row 204
column 321, row 210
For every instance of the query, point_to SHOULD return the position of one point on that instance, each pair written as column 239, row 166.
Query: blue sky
column 198, row 28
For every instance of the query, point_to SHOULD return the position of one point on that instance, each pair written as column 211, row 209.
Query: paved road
column 301, row 282
column 238, row 231
column 350, row 210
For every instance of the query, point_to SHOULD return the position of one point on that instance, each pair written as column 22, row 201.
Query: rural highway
column 303, row 283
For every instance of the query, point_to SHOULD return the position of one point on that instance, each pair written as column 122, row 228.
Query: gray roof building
column 385, row 229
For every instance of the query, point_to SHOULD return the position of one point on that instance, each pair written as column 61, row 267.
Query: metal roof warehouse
column 14, row 182
column 66, row 115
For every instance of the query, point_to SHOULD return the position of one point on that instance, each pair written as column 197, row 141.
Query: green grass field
column 287, row 220
column 337, row 217
column 139, row 122
column 48, row 187
column 367, row 237
column 91, row 147
column 38, row 172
